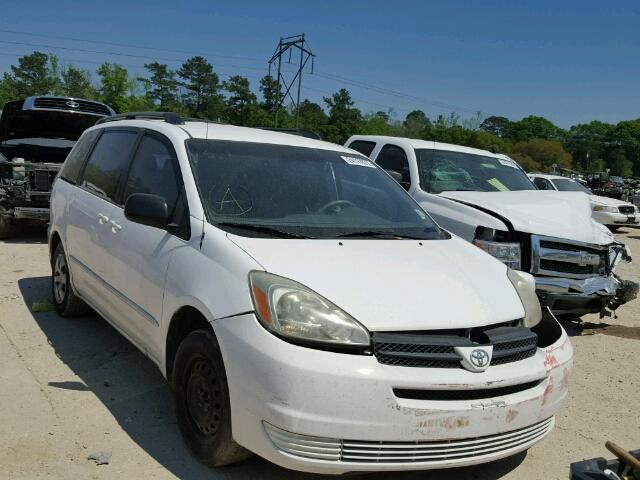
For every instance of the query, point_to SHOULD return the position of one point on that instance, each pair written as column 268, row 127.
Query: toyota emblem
column 72, row 104
column 479, row 358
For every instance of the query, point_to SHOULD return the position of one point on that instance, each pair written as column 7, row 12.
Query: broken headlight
column 291, row 310
column 507, row 253
column 525, row 286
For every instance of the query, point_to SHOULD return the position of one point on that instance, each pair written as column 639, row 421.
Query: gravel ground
column 70, row 389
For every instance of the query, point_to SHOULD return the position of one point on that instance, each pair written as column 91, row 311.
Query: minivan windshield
column 265, row 190
column 570, row 185
column 443, row 170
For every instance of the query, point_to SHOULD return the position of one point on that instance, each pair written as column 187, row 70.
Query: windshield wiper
column 261, row 229
column 378, row 234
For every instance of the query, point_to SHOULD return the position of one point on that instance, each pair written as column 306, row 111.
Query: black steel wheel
column 202, row 400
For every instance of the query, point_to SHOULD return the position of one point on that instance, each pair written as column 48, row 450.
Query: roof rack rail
column 169, row 117
column 301, row 132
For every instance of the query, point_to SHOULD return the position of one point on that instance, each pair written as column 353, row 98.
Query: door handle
column 115, row 226
column 102, row 218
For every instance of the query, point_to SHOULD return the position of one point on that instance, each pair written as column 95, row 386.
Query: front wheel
column 202, row 400
column 65, row 300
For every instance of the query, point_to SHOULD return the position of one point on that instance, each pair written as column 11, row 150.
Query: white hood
column 554, row 214
column 609, row 202
column 392, row 285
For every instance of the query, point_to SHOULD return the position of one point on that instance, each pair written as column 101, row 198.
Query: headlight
column 525, row 285
column 603, row 208
column 291, row 310
column 507, row 253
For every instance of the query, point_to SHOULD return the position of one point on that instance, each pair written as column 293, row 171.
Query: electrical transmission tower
column 290, row 45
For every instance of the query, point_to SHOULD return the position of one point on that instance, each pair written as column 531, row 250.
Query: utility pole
column 290, row 45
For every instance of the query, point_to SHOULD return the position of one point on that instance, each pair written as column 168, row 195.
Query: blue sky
column 570, row 61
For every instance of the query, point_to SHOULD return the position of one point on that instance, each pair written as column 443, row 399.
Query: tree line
column 195, row 89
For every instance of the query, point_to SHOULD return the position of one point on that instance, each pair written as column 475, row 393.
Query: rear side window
column 73, row 164
column 543, row 183
column 394, row 158
column 108, row 162
column 154, row 171
column 363, row 147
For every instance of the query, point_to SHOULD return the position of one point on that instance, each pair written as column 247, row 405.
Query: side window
column 363, row 147
column 108, row 162
column 542, row 183
column 154, row 171
column 394, row 159
column 73, row 164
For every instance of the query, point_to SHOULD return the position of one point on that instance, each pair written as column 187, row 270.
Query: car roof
column 219, row 131
column 426, row 144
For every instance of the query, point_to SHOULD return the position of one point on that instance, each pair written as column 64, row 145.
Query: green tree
column 271, row 93
column 416, row 122
column 534, row 127
column 162, row 85
column 312, row 116
column 202, row 85
column 76, row 82
column 499, row 126
column 114, row 86
column 32, row 76
column 544, row 153
column 239, row 99
column 344, row 120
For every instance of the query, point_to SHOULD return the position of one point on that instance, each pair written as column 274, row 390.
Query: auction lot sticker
column 363, row 162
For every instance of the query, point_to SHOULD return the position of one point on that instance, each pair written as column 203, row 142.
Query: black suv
column 36, row 135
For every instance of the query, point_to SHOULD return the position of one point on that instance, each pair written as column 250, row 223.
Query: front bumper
column 349, row 400
column 569, row 296
column 616, row 219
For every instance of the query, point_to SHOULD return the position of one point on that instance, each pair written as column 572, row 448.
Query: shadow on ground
column 138, row 397
column 576, row 327
column 27, row 233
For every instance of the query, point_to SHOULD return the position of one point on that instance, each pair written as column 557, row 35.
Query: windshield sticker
column 358, row 161
column 498, row 185
column 488, row 165
column 508, row 163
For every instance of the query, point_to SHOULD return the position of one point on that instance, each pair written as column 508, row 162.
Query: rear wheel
column 202, row 400
column 65, row 300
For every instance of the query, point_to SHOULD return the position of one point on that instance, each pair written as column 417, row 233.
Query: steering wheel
column 335, row 203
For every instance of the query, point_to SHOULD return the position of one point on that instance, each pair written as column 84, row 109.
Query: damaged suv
column 36, row 135
column 301, row 303
column 487, row 199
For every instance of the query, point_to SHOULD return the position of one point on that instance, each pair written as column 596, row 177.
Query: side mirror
column 147, row 209
column 397, row 176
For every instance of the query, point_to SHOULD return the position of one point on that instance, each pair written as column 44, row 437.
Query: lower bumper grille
column 456, row 395
column 422, row 452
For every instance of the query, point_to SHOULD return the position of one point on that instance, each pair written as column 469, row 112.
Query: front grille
column 420, row 452
column 566, row 258
column 61, row 103
column 455, row 395
column 564, row 267
column 431, row 350
column 627, row 209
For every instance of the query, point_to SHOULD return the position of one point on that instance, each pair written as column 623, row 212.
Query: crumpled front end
column 575, row 278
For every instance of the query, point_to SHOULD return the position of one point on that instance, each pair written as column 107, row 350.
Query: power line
column 128, row 45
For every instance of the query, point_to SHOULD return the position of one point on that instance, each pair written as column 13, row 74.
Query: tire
column 5, row 227
column 65, row 300
column 202, row 401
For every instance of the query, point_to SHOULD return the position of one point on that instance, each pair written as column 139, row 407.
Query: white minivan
column 300, row 302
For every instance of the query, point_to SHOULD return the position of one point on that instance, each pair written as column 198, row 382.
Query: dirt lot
column 70, row 388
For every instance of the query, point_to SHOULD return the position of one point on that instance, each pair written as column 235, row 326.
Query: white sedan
column 609, row 211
